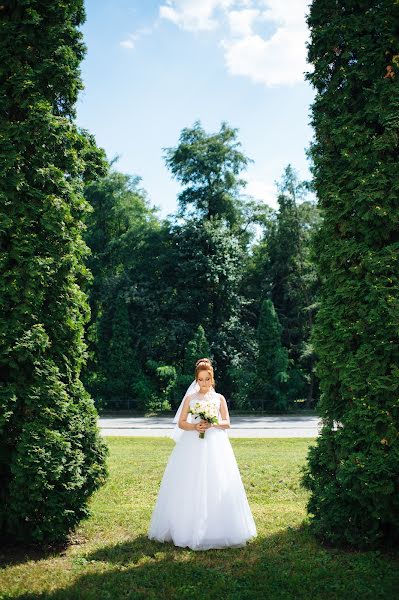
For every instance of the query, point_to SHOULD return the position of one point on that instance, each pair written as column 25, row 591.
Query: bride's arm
column 224, row 411
column 183, row 424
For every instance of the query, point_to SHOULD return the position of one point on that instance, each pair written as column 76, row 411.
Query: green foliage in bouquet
column 51, row 455
column 353, row 469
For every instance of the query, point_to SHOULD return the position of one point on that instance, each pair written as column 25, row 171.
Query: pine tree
column 352, row 471
column 121, row 367
column 272, row 362
column 52, row 457
column 197, row 347
column 285, row 276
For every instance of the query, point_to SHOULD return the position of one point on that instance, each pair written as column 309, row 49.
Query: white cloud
column 276, row 59
column 280, row 60
column 241, row 21
column 289, row 12
column 129, row 42
column 195, row 15
column 132, row 38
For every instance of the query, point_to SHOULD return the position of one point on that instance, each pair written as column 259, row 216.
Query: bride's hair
column 204, row 364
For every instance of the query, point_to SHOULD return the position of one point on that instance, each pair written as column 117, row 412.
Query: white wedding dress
column 202, row 502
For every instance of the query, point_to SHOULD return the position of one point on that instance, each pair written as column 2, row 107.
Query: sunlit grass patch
column 112, row 557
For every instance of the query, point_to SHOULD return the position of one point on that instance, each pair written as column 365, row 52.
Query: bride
column 202, row 502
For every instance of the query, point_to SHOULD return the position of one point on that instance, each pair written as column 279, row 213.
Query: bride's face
column 204, row 381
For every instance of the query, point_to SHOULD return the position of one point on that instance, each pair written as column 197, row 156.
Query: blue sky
column 154, row 67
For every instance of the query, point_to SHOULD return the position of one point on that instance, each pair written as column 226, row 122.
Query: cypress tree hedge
column 353, row 470
column 51, row 455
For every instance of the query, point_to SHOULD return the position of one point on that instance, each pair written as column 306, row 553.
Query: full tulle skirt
column 201, row 501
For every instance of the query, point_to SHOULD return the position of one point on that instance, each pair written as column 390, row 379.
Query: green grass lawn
column 110, row 556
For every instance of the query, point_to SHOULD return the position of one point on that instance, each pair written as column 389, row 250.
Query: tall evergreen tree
column 285, row 261
column 280, row 268
column 121, row 370
column 285, row 275
column 270, row 384
column 196, row 348
column 353, row 469
column 51, row 455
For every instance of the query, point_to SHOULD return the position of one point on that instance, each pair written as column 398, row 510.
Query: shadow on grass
column 286, row 565
column 17, row 554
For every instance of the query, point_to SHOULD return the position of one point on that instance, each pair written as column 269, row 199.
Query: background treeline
column 226, row 277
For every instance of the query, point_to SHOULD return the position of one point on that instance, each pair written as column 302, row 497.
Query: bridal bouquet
column 208, row 411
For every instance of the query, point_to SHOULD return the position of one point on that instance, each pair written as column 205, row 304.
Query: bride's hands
column 202, row 426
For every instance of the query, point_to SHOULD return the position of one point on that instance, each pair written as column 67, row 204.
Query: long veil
column 176, row 431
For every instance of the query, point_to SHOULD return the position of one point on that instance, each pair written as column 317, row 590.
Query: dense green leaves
column 209, row 165
column 123, row 234
column 191, row 274
column 272, row 362
column 211, row 245
column 280, row 268
column 353, row 470
column 291, row 282
column 51, row 455
column 208, row 270
column 175, row 277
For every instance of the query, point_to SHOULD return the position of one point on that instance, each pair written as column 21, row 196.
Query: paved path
column 276, row 426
